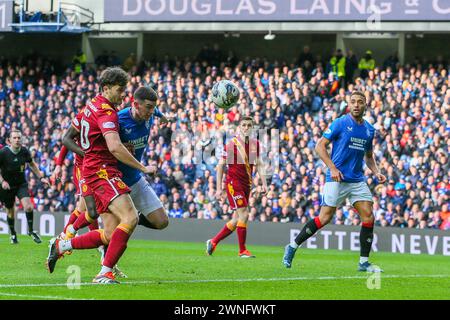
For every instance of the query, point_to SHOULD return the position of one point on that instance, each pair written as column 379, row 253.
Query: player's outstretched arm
column 121, row 153
column 262, row 174
column 58, row 168
column 372, row 165
column 69, row 141
column 321, row 149
column 219, row 178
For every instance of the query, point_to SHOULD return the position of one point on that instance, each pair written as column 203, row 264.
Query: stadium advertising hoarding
column 275, row 10
column 387, row 239
column 6, row 15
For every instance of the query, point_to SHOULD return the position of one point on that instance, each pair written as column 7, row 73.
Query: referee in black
column 13, row 159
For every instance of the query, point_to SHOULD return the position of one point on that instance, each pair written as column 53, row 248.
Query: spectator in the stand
column 351, row 65
column 79, row 62
column 113, row 59
column 366, row 64
column 391, row 62
column 305, row 56
column 338, row 63
column 130, row 62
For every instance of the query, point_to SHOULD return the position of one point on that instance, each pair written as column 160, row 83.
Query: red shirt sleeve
column 108, row 121
column 62, row 156
column 76, row 122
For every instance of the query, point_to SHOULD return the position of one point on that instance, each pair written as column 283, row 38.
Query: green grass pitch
column 182, row 271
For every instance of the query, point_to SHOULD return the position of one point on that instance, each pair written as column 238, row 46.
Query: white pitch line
column 228, row 280
column 38, row 296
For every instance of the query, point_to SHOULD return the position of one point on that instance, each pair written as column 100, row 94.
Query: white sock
column 105, row 270
column 294, row 244
column 71, row 229
column 65, row 245
column 363, row 259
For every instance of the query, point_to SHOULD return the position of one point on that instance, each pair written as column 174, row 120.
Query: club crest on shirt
column 121, row 184
column 350, row 129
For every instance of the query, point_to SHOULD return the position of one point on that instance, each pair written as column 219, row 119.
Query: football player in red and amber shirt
column 241, row 155
column 79, row 218
column 100, row 142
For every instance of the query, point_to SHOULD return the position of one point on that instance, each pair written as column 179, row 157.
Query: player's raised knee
column 163, row 222
column 131, row 220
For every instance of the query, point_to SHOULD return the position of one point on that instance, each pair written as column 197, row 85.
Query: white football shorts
column 335, row 193
column 144, row 197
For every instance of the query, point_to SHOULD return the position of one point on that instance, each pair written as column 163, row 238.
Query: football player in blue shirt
column 352, row 139
column 135, row 125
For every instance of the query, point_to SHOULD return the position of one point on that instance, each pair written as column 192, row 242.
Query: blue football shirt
column 136, row 133
column 350, row 141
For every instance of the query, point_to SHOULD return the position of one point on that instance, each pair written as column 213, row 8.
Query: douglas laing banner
column 275, row 10
column 395, row 240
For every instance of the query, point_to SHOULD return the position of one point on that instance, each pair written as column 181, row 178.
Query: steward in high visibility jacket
column 337, row 63
column 366, row 64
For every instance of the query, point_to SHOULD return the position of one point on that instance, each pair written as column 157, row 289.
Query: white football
column 224, row 94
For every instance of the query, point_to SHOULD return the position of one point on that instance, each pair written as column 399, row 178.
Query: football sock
column 12, row 230
column 363, row 259
column 143, row 221
column 293, row 244
column 225, row 232
column 64, row 245
column 105, row 270
column 117, row 245
column 73, row 217
column 366, row 238
column 83, row 221
column 29, row 215
column 93, row 226
column 308, row 230
column 89, row 240
column 242, row 235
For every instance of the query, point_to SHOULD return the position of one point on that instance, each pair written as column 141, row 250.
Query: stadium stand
column 409, row 106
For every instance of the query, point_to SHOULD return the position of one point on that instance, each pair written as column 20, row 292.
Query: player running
column 352, row 139
column 240, row 154
column 135, row 125
column 100, row 141
column 13, row 159
column 80, row 217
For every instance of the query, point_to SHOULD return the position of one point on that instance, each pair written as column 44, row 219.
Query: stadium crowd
column 408, row 105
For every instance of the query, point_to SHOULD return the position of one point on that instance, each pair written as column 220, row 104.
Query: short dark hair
column 246, row 118
column 14, row 131
column 112, row 76
column 145, row 93
column 359, row 93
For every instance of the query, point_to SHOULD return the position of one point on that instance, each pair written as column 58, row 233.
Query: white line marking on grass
column 38, row 296
column 393, row 276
